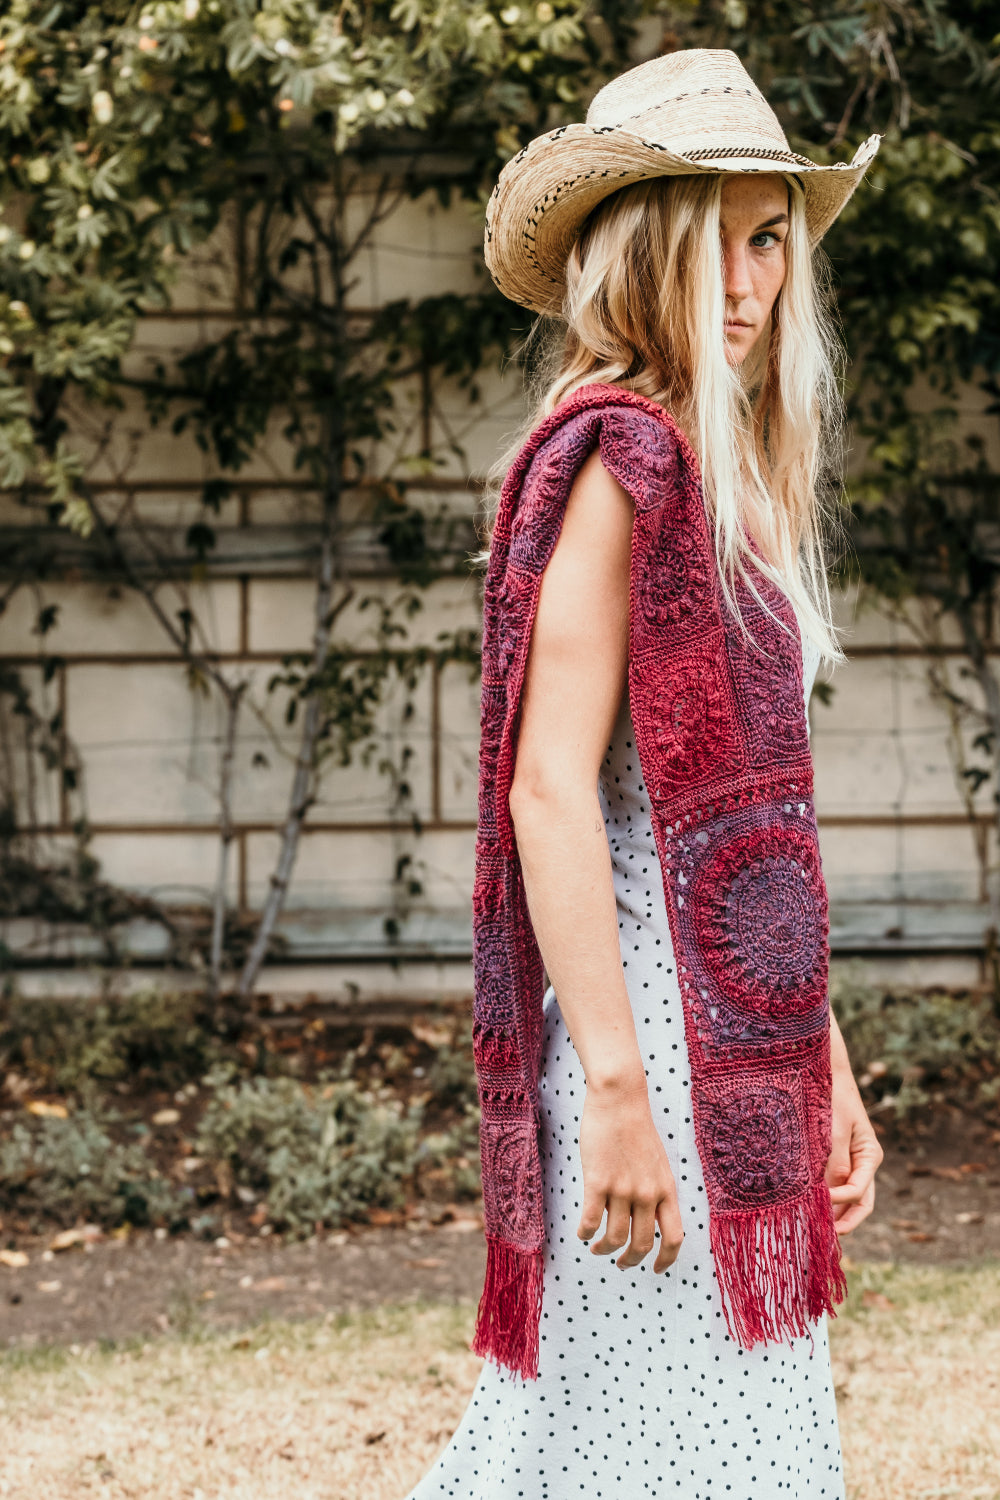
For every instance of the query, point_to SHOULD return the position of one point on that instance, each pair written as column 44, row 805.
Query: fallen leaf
column 462, row 1226
column 974, row 1166
column 953, row 1174
column 969, row 1218
column 40, row 1107
column 13, row 1258
column 876, row 1299
column 16, row 1085
column 270, row 1284
column 916, row 1171
column 921, row 1239
column 905, row 1223
column 382, row 1216
column 167, row 1117
column 427, row 1264
column 81, row 1234
column 49, row 1286
column 431, row 1035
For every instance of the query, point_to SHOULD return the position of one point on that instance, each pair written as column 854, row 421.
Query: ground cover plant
column 136, row 1110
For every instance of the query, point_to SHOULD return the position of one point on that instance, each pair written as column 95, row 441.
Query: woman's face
column 754, row 227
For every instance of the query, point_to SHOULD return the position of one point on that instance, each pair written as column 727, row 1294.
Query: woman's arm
column 856, row 1154
column 575, row 677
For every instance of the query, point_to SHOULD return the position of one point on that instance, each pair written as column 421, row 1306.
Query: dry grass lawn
column 352, row 1407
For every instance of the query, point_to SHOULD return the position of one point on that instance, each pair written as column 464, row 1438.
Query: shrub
column 451, row 1077
column 154, row 1037
column 914, row 1049
column 453, row 1156
column 58, row 1171
column 320, row 1155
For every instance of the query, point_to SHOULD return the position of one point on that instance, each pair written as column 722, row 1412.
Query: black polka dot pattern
column 641, row 1390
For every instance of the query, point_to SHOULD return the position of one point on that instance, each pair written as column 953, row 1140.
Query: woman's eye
column 766, row 236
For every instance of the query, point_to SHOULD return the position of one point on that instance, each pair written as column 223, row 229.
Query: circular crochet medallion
column 760, row 915
column 754, row 1143
column 675, row 581
column 515, row 1180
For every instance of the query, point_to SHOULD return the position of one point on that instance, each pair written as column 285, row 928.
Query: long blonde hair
column 644, row 308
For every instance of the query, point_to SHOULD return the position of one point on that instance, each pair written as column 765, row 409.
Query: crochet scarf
column 723, row 747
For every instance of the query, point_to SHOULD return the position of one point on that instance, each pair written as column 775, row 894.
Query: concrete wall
column 900, row 855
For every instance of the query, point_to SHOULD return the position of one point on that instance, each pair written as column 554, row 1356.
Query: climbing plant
column 130, row 132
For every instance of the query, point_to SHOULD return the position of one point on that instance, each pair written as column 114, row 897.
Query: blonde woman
column 673, row 1141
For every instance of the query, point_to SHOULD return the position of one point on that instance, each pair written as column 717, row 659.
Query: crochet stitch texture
column 724, row 752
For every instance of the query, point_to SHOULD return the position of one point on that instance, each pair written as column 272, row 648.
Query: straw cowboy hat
column 692, row 111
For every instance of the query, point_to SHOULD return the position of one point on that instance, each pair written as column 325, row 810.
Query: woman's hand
column 626, row 1172
column 856, row 1154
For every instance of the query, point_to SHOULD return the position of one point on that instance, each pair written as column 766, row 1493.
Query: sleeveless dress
column 641, row 1390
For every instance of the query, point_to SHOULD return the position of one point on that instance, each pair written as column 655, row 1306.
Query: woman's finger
column 848, row 1215
column 594, row 1205
column 643, row 1235
column 616, row 1233
column 668, row 1216
column 851, row 1190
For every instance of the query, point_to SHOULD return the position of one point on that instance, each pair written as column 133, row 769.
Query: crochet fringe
column 789, row 1253
column 510, row 1309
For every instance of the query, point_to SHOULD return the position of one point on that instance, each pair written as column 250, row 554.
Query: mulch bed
column 937, row 1203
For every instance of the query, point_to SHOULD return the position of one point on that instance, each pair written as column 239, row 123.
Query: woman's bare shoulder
column 577, row 659
column 598, row 509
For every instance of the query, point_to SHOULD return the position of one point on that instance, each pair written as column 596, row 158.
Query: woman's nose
column 736, row 263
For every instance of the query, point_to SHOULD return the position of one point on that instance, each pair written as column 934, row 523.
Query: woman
column 655, row 612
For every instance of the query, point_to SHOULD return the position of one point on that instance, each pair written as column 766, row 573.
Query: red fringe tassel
column 510, row 1309
column 779, row 1278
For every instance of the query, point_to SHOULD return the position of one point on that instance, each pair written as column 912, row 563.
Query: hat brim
column 544, row 194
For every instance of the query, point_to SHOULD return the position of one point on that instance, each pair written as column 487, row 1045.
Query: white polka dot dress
column 641, row 1390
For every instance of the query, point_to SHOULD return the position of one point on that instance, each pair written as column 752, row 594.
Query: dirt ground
column 357, row 1406
column 937, row 1203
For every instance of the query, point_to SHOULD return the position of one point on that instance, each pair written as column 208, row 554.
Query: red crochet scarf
column 723, row 747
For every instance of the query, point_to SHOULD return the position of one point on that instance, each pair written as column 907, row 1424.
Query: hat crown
column 695, row 102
